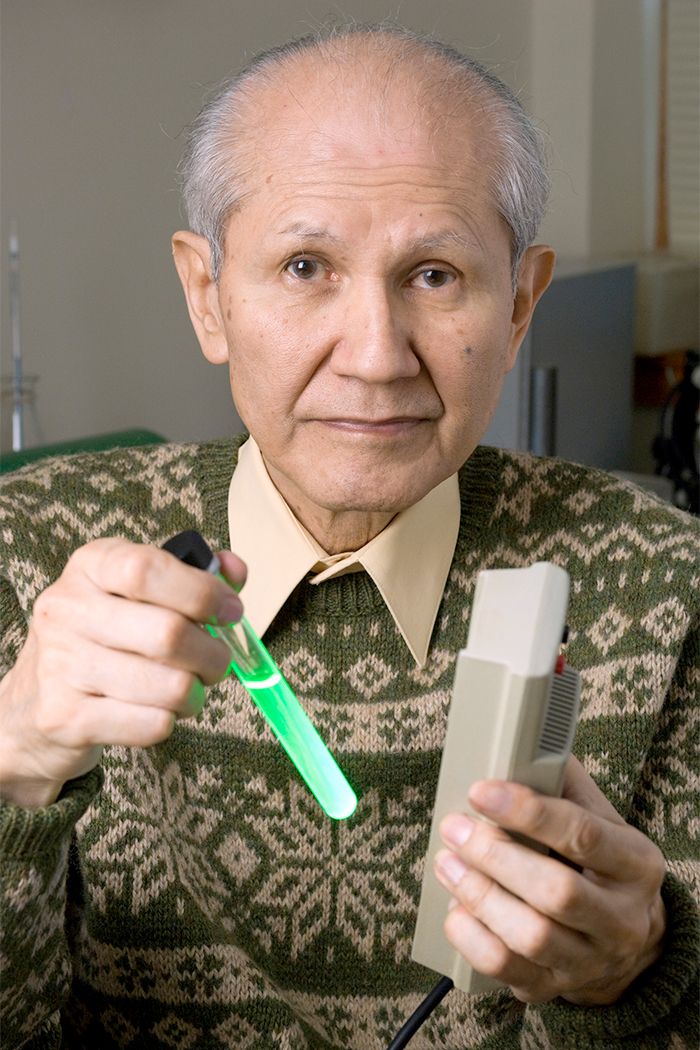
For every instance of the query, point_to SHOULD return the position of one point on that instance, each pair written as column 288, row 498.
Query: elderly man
column 363, row 210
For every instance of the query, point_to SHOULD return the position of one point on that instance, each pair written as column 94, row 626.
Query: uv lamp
column 512, row 717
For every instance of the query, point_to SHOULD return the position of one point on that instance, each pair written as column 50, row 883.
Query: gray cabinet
column 583, row 329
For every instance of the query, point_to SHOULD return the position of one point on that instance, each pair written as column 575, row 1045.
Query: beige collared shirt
column 408, row 561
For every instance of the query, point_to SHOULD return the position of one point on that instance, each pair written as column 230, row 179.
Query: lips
column 393, row 425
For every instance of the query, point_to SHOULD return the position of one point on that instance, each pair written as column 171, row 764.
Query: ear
column 193, row 261
column 534, row 276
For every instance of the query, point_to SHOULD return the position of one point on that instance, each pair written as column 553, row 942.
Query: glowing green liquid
column 289, row 721
column 304, row 746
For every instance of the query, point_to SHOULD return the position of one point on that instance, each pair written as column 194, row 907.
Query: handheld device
column 512, row 717
column 263, row 679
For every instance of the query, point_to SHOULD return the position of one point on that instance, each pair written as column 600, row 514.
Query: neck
column 341, row 532
column 337, row 532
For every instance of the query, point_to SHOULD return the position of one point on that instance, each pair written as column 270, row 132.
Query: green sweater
column 198, row 898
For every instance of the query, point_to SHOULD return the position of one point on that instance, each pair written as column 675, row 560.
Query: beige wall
column 95, row 94
column 594, row 95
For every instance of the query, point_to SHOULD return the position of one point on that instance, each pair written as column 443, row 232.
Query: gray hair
column 213, row 187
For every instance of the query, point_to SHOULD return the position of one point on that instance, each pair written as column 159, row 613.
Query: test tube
column 271, row 694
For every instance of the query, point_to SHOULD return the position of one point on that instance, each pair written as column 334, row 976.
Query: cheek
column 469, row 388
column 268, row 368
column 470, row 367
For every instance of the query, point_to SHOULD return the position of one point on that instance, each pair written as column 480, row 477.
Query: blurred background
column 96, row 96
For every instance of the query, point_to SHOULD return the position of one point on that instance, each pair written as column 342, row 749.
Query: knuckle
column 475, row 889
column 656, row 866
column 536, row 813
column 495, row 958
column 618, row 962
column 638, row 933
column 52, row 663
column 532, row 939
column 67, row 724
column 48, row 606
column 585, row 836
column 135, row 568
column 485, row 845
column 561, row 891
column 183, row 685
column 168, row 633
column 85, row 556
column 49, row 718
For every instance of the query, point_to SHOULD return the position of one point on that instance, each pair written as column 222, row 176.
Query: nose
column 374, row 344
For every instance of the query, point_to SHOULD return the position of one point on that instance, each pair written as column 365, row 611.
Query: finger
column 523, row 929
column 581, row 788
column 552, row 889
column 489, row 955
column 69, row 621
column 130, row 725
column 615, row 850
column 149, row 574
column 233, row 569
column 160, row 634
column 73, row 714
column 137, row 680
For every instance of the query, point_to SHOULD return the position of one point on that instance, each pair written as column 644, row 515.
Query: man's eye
column 435, row 278
column 304, row 268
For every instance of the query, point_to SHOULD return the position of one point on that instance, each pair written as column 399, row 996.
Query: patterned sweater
column 193, row 895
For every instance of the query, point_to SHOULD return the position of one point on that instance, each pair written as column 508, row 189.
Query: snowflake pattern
column 348, row 876
column 236, row 1031
column 160, row 839
column 118, row 1027
column 582, row 500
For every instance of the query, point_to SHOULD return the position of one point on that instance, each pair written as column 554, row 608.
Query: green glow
column 289, row 721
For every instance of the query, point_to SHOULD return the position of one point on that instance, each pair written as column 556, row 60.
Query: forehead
column 363, row 122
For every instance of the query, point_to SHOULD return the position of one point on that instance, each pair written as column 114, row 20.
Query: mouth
column 394, row 426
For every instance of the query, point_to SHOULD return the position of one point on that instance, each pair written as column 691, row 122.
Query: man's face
column 366, row 304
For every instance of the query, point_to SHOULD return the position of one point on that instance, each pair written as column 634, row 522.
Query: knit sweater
column 193, row 895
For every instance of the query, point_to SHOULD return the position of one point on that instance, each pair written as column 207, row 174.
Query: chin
column 378, row 493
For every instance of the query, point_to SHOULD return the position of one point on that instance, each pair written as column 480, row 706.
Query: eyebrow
column 441, row 239
column 444, row 239
column 312, row 233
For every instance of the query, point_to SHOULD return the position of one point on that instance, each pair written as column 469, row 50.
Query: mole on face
column 467, row 349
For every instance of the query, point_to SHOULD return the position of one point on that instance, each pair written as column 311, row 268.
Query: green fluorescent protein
column 291, row 725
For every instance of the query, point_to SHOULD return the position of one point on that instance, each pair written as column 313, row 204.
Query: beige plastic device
column 512, row 717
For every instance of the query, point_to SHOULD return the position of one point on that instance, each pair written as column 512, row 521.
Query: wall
column 594, row 76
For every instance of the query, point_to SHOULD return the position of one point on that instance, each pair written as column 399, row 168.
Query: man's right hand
column 114, row 655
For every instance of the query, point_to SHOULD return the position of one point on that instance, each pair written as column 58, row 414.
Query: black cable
column 421, row 1014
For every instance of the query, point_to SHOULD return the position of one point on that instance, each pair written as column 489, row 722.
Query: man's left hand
column 538, row 925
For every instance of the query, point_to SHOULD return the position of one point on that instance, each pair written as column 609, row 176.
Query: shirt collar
column 408, row 560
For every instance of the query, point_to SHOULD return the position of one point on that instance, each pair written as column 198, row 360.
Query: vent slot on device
column 560, row 715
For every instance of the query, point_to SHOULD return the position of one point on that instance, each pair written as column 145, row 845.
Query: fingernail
column 450, row 867
column 494, row 798
column 456, row 829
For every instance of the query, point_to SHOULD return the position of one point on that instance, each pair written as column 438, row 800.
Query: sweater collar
column 408, row 561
